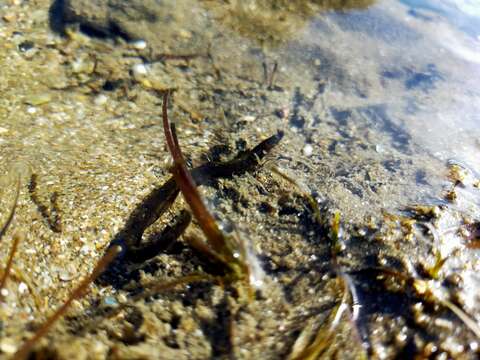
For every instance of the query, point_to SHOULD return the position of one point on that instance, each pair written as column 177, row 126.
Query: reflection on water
column 419, row 59
column 270, row 21
column 462, row 14
column 424, row 56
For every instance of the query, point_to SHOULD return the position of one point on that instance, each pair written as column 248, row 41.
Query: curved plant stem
column 8, row 267
column 5, row 226
column 27, row 347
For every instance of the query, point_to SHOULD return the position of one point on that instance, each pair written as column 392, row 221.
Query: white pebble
column 4, row 292
column 85, row 249
column 65, row 275
column 100, row 99
column 139, row 69
column 308, row 150
column 22, row 288
column 7, row 346
column 31, row 110
column 139, row 44
column 122, row 299
column 249, row 118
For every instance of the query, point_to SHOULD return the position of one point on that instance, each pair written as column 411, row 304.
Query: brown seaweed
column 161, row 199
column 229, row 251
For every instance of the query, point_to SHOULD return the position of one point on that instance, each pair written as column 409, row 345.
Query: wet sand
column 80, row 111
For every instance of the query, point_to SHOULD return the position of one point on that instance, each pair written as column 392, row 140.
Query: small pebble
column 4, row 292
column 10, row 17
column 85, row 249
column 26, row 46
column 38, row 99
column 139, row 69
column 22, row 288
column 7, row 346
column 110, row 301
column 139, row 44
column 122, row 299
column 99, row 349
column 308, row 150
column 249, row 118
column 64, row 275
column 100, row 99
column 31, row 110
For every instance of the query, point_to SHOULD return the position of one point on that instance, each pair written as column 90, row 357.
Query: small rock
column 85, row 249
column 22, row 288
column 139, row 44
column 38, row 99
column 8, row 346
column 64, row 275
column 308, row 150
column 122, row 299
column 139, row 70
column 110, row 301
column 100, row 99
column 249, row 118
column 26, row 45
column 10, row 17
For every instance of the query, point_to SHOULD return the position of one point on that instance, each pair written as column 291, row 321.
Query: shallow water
column 418, row 60
column 427, row 55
